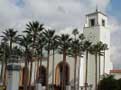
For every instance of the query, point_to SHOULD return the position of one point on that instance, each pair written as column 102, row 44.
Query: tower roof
column 96, row 12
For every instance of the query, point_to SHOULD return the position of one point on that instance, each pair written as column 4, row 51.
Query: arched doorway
column 59, row 74
column 42, row 75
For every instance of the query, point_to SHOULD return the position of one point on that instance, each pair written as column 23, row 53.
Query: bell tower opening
column 96, row 19
column 92, row 22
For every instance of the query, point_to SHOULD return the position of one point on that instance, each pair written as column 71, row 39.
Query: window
column 92, row 22
column 103, row 22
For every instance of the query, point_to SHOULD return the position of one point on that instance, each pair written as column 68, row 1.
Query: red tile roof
column 115, row 71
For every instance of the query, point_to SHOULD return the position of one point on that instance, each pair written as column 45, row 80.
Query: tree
column 25, row 43
column 75, row 45
column 41, row 44
column 86, row 47
column 75, row 32
column 76, row 50
column 119, row 84
column 4, row 53
column 33, row 29
column 73, row 51
column 96, row 50
column 81, row 53
column 10, row 36
column 2, row 63
column 54, row 46
column 105, row 47
column 49, row 35
column 100, row 53
column 108, row 83
column 64, row 44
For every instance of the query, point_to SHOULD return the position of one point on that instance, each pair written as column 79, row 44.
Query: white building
column 96, row 29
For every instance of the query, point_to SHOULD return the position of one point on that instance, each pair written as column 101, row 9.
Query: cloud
column 62, row 15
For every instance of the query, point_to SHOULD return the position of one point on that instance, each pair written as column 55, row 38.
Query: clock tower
column 96, row 29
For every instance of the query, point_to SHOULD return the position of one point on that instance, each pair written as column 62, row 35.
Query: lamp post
column 13, row 69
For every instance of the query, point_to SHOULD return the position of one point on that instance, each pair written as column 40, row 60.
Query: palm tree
column 75, row 32
column 105, row 47
column 109, row 83
column 64, row 44
column 2, row 59
column 86, row 47
column 95, row 50
column 49, row 35
column 41, row 44
column 33, row 29
column 81, row 53
column 100, row 53
column 73, row 52
column 2, row 64
column 10, row 36
column 17, row 51
column 54, row 47
column 25, row 42
column 75, row 46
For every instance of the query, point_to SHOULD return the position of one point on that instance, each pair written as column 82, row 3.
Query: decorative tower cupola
column 96, row 19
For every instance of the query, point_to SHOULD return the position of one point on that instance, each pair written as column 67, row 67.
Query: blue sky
column 19, row 3
column 114, row 8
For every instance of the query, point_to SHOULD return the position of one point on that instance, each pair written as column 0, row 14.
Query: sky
column 63, row 16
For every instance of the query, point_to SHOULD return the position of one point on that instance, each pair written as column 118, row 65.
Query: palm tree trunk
column 75, row 71
column 35, row 70
column 63, row 70
column 79, row 72
column 47, row 74
column 4, row 80
column 99, row 65
column 31, row 65
column 104, row 64
column 11, row 47
column 95, row 71
column 86, row 70
column 39, row 70
column 3, row 65
column 37, row 73
column 1, row 75
column 26, row 75
column 53, row 69
column 39, row 66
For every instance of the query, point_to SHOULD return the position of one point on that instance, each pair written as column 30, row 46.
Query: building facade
column 55, row 71
column 96, row 29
